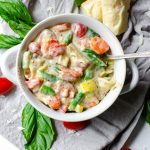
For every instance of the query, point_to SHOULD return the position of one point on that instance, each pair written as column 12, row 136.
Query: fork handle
column 132, row 55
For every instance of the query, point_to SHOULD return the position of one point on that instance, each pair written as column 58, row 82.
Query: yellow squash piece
column 88, row 86
column 93, row 8
column 115, row 15
column 79, row 108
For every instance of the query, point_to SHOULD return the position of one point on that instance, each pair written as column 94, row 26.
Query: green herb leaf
column 39, row 132
column 94, row 57
column 17, row 16
column 7, row 41
column 79, row 2
column 28, row 122
column 47, row 90
column 15, row 10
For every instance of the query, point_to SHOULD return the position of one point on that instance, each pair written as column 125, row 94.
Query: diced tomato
column 76, row 125
column 79, row 29
column 5, row 85
column 99, row 45
column 125, row 148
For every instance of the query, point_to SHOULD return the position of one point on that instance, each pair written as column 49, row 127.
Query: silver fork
column 132, row 55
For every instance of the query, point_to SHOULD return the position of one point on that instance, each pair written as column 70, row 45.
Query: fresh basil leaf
column 147, row 113
column 7, row 41
column 20, row 28
column 47, row 90
column 44, row 134
column 94, row 57
column 15, row 9
column 79, row 2
column 28, row 122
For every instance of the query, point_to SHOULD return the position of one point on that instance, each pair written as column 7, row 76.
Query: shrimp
column 34, row 47
column 54, row 102
column 66, row 90
column 99, row 45
column 34, row 84
column 70, row 74
column 52, row 48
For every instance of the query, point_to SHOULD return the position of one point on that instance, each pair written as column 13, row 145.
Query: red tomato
column 76, row 125
column 126, row 148
column 5, row 85
column 79, row 29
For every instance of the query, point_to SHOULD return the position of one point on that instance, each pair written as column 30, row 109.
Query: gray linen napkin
column 119, row 119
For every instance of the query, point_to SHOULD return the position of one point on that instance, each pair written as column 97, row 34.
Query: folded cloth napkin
column 116, row 123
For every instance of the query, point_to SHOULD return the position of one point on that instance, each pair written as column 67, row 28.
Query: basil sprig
column 7, row 41
column 18, row 18
column 38, row 130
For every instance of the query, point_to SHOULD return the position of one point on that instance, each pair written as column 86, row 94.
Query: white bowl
column 119, row 68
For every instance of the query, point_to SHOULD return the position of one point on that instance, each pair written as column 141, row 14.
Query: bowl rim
column 72, row 117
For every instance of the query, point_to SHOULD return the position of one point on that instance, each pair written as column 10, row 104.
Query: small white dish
column 119, row 68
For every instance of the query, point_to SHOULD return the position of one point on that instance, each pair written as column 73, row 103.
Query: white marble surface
column 139, row 139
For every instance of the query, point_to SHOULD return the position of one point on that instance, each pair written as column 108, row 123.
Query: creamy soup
column 66, row 67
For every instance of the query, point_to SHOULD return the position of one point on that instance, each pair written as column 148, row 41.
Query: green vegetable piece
column 47, row 90
column 15, row 13
column 47, row 76
column 88, row 73
column 147, row 111
column 91, row 33
column 93, row 57
column 75, row 101
column 68, row 38
column 38, row 130
column 79, row 2
column 7, row 41
column 26, row 60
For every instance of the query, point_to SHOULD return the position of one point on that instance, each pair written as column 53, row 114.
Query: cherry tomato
column 79, row 29
column 5, row 85
column 76, row 125
column 126, row 148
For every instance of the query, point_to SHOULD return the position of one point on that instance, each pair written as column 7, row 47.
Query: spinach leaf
column 94, row 57
column 39, row 132
column 8, row 41
column 79, row 2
